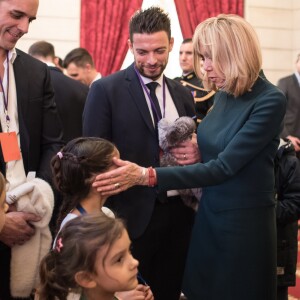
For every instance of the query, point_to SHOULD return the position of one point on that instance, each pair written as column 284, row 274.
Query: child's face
column 3, row 209
column 120, row 268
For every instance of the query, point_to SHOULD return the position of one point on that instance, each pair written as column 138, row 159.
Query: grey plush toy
column 170, row 134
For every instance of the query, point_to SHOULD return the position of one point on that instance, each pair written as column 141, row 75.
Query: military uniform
column 203, row 98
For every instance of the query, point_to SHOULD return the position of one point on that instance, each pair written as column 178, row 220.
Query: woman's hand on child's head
column 126, row 175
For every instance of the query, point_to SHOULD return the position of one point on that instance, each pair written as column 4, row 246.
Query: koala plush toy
column 170, row 135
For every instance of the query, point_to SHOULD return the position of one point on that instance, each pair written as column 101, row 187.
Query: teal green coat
column 233, row 247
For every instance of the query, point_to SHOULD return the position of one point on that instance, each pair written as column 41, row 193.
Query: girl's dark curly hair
column 75, row 165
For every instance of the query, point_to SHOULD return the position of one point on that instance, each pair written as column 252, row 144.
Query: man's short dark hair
column 41, row 48
column 150, row 20
column 186, row 41
column 80, row 57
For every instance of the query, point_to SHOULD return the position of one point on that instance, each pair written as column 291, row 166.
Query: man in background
column 30, row 127
column 290, row 86
column 70, row 95
column 203, row 99
column 80, row 66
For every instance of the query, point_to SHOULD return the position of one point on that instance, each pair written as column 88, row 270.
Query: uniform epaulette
column 185, row 83
column 190, row 76
column 210, row 94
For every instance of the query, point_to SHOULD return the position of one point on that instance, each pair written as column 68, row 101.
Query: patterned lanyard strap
column 5, row 97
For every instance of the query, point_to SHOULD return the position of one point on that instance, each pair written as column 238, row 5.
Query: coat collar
column 22, row 83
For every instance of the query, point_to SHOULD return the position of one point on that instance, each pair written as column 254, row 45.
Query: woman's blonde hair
column 234, row 48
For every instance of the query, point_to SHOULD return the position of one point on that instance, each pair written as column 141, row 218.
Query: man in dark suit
column 28, row 114
column 123, row 109
column 70, row 95
column 290, row 86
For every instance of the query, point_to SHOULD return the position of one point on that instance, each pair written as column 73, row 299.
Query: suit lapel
column 22, row 83
column 136, row 91
column 21, row 79
column 296, row 83
column 175, row 94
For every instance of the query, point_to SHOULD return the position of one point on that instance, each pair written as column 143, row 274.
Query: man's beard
column 151, row 76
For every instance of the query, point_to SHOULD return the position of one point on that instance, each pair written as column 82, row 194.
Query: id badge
column 9, row 144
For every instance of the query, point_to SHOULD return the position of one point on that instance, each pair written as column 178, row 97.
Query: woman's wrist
column 143, row 177
column 147, row 177
column 152, row 179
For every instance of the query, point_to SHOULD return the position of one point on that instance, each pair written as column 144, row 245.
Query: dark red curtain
column 104, row 31
column 192, row 12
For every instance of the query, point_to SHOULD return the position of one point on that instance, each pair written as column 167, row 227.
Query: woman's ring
column 117, row 185
column 184, row 156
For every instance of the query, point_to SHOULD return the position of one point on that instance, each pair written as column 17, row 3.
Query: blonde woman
column 232, row 252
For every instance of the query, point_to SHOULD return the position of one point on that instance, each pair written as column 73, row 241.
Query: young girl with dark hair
column 74, row 168
column 91, row 260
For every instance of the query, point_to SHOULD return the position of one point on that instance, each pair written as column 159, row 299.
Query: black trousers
column 282, row 293
column 162, row 249
column 4, row 272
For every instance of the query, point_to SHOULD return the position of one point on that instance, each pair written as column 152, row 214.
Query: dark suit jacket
column 116, row 109
column 290, row 87
column 70, row 96
column 39, row 124
column 40, row 132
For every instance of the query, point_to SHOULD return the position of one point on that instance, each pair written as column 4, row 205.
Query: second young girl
column 91, row 259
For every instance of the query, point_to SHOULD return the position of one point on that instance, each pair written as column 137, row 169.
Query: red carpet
column 294, row 292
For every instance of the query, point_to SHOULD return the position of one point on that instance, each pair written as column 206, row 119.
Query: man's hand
column 187, row 152
column 295, row 141
column 17, row 228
